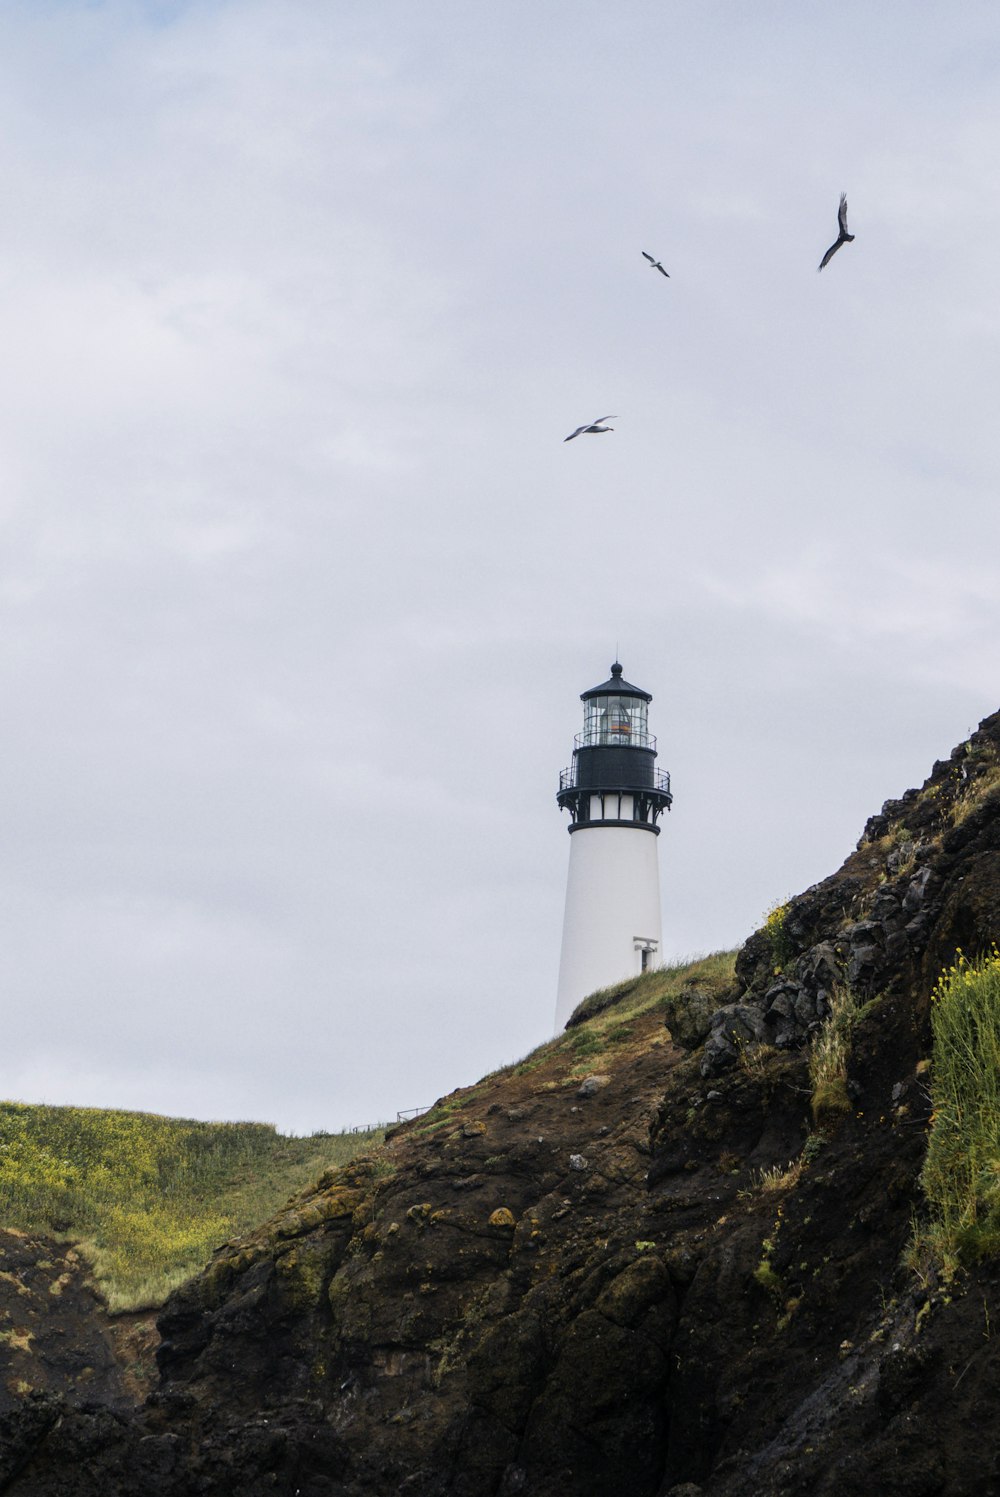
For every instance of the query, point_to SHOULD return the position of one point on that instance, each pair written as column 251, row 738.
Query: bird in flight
column 656, row 266
column 843, row 237
column 593, row 426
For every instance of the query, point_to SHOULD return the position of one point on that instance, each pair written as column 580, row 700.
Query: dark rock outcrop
column 631, row 1263
column 923, row 881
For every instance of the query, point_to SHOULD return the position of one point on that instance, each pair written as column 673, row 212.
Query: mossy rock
column 291, row 1225
column 351, row 1305
column 215, row 1280
column 334, row 1175
column 335, row 1204
column 312, row 1216
column 630, row 1295
column 301, row 1274
column 240, row 1261
column 689, row 1017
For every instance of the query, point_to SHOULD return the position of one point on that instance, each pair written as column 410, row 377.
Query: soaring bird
column 594, row 426
column 843, row 237
column 656, row 265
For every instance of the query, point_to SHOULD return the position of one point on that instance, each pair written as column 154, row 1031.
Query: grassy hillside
column 146, row 1197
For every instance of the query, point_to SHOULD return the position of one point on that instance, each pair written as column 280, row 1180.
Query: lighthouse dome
column 616, row 686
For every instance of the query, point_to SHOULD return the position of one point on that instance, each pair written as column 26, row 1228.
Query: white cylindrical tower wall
column 612, row 911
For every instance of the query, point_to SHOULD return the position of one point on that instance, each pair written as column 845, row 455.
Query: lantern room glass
column 615, row 720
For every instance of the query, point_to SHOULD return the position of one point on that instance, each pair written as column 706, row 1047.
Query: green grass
column 660, row 986
column 961, row 1174
column 147, row 1198
column 828, row 1057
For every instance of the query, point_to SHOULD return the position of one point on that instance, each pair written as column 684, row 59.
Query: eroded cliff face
column 633, row 1263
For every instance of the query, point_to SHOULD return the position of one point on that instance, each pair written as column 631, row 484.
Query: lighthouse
column 614, row 795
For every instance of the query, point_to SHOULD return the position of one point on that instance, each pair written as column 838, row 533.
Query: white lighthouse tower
column 614, row 795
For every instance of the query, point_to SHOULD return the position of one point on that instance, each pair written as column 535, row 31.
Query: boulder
column 732, row 1027
column 690, row 1017
column 591, row 1085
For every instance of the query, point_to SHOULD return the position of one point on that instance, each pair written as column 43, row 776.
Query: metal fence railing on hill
column 401, row 1117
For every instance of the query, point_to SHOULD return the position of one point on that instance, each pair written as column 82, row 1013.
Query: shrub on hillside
column 961, row 1174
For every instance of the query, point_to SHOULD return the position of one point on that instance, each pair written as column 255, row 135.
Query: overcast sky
column 299, row 583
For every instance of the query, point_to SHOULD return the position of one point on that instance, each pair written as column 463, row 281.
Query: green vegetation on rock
column 776, row 931
column 961, row 1174
column 148, row 1198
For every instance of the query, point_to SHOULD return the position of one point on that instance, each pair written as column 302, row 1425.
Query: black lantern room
column 613, row 780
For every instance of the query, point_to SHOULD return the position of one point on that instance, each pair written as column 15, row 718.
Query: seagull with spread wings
column 843, row 237
column 656, row 265
column 594, row 426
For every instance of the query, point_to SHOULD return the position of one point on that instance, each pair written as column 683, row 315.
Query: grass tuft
column 770, row 1182
column 828, row 1057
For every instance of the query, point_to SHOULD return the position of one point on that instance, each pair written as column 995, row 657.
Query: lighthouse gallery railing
column 661, row 780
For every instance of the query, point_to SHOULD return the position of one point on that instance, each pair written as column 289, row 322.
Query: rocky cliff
column 650, row 1258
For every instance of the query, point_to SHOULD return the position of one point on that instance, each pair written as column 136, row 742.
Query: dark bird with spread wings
column 656, row 265
column 594, row 426
column 843, row 237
